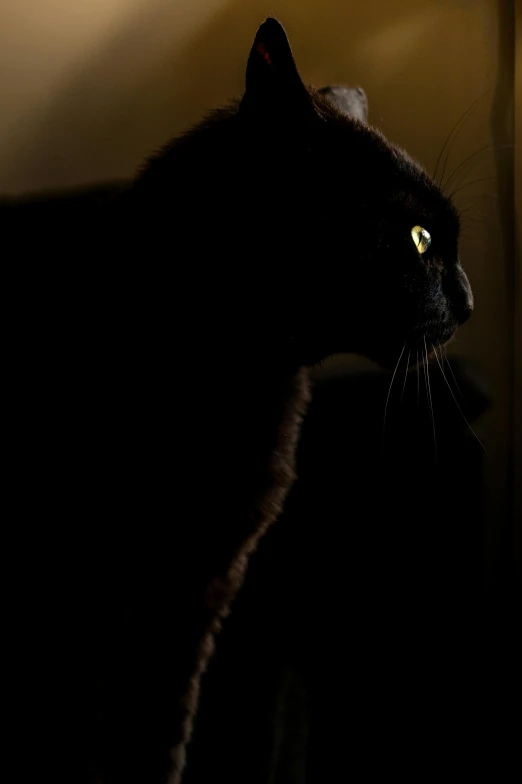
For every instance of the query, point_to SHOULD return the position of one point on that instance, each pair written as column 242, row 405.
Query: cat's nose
column 465, row 299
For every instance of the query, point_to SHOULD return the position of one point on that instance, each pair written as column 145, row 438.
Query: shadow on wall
column 172, row 62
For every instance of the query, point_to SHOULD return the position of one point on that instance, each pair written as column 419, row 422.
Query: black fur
column 161, row 343
column 287, row 184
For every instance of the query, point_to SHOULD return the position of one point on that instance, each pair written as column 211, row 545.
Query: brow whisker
column 461, row 119
column 473, row 182
column 493, row 147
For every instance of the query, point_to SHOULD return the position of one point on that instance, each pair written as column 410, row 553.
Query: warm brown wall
column 517, row 430
column 87, row 89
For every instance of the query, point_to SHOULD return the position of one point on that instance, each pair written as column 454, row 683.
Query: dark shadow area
column 377, row 630
column 366, row 637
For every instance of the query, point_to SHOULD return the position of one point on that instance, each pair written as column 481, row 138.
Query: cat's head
column 371, row 240
column 336, row 234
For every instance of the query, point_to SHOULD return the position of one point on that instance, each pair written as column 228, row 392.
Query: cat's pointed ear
column 272, row 78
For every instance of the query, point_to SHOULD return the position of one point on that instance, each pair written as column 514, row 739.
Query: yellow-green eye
column 421, row 238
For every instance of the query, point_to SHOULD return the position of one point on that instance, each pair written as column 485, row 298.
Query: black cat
column 161, row 345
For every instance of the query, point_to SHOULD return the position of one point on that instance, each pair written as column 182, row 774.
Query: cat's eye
column 421, row 238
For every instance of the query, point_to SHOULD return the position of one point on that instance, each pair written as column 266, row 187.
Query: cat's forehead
column 427, row 200
column 396, row 173
column 418, row 193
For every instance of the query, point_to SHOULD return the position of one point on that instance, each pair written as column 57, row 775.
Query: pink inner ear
column 264, row 53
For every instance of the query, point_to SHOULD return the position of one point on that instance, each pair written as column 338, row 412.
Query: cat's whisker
column 483, row 195
column 444, row 166
column 473, row 235
column 472, row 231
column 462, row 119
column 428, row 393
column 468, row 184
column 418, row 375
column 463, row 216
column 471, row 209
column 388, row 395
column 456, row 401
column 445, row 358
column 491, row 147
column 405, row 374
column 467, row 218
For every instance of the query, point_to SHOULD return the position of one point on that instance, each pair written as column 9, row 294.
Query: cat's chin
column 430, row 339
column 409, row 351
column 397, row 351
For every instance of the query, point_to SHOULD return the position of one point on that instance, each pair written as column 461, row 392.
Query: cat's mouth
column 431, row 338
column 422, row 340
column 410, row 349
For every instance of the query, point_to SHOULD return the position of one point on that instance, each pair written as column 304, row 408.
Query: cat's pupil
column 422, row 238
